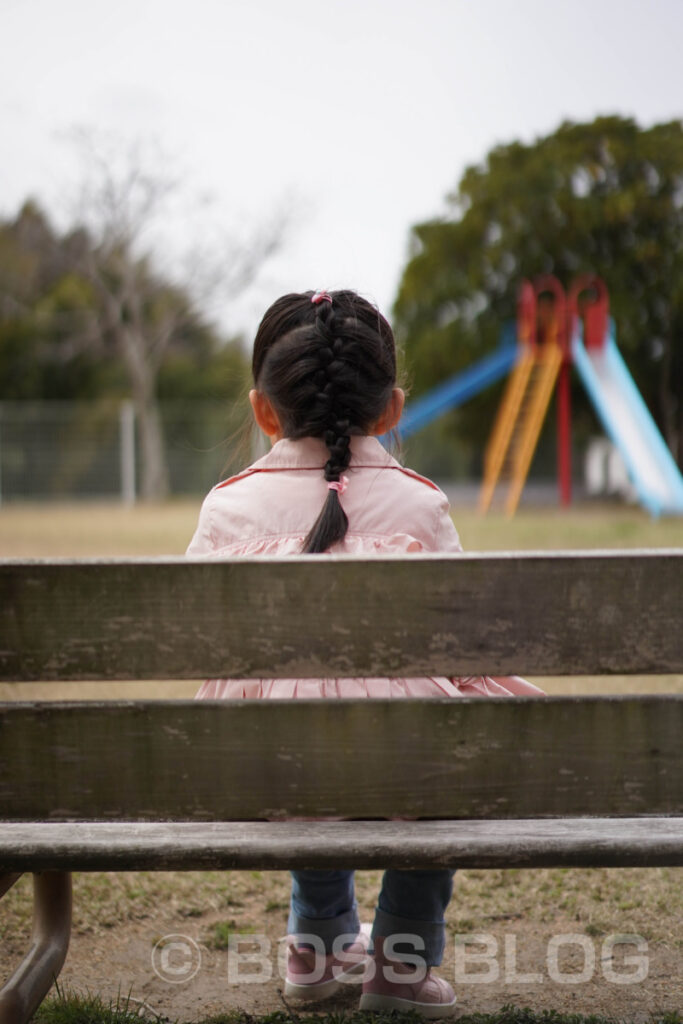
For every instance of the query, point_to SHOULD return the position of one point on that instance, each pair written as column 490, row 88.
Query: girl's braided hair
column 328, row 369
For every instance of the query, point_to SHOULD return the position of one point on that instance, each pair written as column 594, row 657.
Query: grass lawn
column 100, row 530
column 92, row 1010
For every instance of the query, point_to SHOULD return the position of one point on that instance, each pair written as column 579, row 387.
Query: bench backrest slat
column 420, row 758
column 547, row 614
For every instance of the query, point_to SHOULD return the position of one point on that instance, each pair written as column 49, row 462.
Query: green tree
column 60, row 338
column 42, row 304
column 605, row 197
column 112, row 306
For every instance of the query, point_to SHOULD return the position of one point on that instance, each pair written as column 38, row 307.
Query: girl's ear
column 265, row 416
column 391, row 414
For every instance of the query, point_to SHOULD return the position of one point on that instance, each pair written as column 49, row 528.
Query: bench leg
column 33, row 978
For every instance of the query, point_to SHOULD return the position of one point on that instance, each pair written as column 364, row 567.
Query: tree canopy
column 68, row 316
column 108, row 308
column 604, row 197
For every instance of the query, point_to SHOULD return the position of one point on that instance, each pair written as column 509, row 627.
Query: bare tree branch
column 143, row 305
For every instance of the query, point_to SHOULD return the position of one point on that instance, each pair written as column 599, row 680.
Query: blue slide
column 629, row 425
column 461, row 386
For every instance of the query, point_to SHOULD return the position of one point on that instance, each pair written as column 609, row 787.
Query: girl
column 324, row 368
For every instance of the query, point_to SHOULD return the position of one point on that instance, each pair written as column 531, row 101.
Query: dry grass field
column 91, row 529
column 119, row 918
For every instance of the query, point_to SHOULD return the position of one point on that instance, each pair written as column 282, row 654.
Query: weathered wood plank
column 134, row 846
column 548, row 614
column 201, row 760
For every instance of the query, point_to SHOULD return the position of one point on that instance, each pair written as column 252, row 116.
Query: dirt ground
column 172, row 954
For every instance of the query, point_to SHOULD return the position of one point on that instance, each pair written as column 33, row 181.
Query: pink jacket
column 270, row 507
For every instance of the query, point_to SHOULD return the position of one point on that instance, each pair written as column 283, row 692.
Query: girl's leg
column 408, row 938
column 413, row 903
column 323, row 904
column 323, row 909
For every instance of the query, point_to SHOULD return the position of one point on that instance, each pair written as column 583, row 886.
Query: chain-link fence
column 73, row 450
column 60, row 450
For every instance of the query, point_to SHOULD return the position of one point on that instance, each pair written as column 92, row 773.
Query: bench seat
column 203, row 846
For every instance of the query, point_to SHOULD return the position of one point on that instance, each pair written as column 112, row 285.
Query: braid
column 333, row 362
column 328, row 366
column 332, row 523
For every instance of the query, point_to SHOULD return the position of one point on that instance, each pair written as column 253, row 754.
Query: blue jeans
column 410, row 903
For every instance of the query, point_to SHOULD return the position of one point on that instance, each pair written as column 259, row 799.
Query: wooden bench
column 130, row 785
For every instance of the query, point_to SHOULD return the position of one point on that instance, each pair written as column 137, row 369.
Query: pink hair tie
column 338, row 485
column 321, row 296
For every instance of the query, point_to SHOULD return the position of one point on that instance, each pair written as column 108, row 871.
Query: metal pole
column 564, row 434
column 127, row 452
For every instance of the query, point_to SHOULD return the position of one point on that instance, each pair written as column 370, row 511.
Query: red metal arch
column 592, row 309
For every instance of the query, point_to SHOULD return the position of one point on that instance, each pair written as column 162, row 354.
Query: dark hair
column 328, row 369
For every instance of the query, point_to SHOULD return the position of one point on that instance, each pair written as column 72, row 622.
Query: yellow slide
column 518, row 424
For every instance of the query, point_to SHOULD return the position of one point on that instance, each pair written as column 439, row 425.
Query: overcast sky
column 358, row 115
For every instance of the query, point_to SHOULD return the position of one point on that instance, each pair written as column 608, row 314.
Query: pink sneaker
column 313, row 976
column 429, row 995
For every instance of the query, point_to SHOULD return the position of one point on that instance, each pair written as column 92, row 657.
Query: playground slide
column 462, row 386
column 629, row 425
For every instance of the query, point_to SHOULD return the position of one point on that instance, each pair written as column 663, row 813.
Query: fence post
column 127, row 452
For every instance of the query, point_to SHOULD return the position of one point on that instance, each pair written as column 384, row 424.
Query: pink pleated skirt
column 427, row 686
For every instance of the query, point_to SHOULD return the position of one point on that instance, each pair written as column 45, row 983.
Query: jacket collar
column 312, row 453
